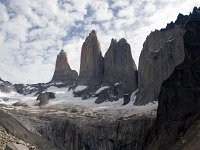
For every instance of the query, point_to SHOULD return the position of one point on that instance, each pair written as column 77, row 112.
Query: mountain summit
column 119, row 66
column 91, row 67
column 63, row 73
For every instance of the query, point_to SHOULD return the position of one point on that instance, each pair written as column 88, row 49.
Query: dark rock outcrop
column 36, row 89
column 63, row 73
column 6, row 86
column 91, row 67
column 179, row 99
column 127, row 98
column 45, row 97
column 119, row 66
column 162, row 52
column 112, row 93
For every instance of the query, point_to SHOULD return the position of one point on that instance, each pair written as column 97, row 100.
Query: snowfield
column 65, row 100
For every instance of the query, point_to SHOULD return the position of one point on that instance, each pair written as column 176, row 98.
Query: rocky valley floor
column 71, row 123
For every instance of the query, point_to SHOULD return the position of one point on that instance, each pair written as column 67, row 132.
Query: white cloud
column 33, row 32
column 3, row 12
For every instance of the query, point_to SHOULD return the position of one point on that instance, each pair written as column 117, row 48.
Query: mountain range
column 168, row 72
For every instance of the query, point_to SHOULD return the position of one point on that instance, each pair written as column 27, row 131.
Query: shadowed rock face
column 119, row 66
column 63, row 72
column 6, row 86
column 162, row 52
column 91, row 67
column 89, row 131
column 179, row 99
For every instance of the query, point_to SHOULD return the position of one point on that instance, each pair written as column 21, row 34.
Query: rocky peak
column 196, row 11
column 91, row 66
column 63, row 72
column 93, row 33
column 122, row 41
column 119, row 66
column 195, row 15
column 162, row 52
column 62, row 61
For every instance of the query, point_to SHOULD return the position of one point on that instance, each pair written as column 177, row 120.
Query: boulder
column 63, row 73
column 91, row 66
column 119, row 66
column 45, row 97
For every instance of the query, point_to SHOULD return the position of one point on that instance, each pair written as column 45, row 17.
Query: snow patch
column 101, row 89
column 80, row 88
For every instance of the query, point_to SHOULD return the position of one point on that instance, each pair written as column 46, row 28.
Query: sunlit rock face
column 119, row 66
column 91, row 65
column 63, row 73
column 162, row 52
column 117, row 70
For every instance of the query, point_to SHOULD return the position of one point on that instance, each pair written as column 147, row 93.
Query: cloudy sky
column 32, row 32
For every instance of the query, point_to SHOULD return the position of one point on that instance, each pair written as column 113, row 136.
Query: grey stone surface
column 91, row 66
column 45, row 97
column 91, row 131
column 162, row 52
column 119, row 66
column 63, row 73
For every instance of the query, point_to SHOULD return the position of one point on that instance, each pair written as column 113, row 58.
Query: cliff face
column 118, row 135
column 117, row 71
column 63, row 73
column 179, row 99
column 91, row 67
column 162, row 52
column 88, row 131
column 119, row 66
